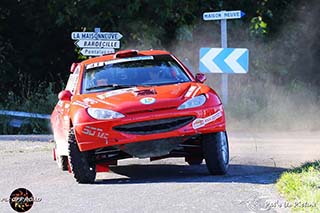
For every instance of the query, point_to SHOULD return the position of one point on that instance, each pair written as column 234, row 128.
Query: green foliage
column 258, row 27
column 35, row 43
column 260, row 104
column 80, row 56
column 301, row 187
column 41, row 99
column 36, row 35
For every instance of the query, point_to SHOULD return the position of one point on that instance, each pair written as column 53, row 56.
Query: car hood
column 139, row 99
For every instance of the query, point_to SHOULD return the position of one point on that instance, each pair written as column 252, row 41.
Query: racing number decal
column 95, row 132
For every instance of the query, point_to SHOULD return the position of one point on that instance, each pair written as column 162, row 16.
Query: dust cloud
column 275, row 94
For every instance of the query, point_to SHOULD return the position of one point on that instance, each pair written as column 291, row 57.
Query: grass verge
column 301, row 187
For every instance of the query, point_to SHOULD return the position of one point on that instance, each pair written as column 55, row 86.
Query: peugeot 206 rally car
column 142, row 104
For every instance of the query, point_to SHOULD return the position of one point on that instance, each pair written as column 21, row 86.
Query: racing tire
column 216, row 152
column 62, row 162
column 83, row 171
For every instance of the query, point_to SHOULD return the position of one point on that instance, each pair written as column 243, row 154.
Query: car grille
column 155, row 126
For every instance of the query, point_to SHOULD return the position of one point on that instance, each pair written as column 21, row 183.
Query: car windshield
column 136, row 71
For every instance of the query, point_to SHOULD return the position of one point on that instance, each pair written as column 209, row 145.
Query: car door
column 60, row 118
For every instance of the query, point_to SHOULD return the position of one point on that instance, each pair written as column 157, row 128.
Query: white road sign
column 224, row 60
column 97, row 44
column 234, row 14
column 96, row 52
column 96, row 35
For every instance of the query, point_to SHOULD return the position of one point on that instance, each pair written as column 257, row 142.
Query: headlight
column 104, row 114
column 193, row 102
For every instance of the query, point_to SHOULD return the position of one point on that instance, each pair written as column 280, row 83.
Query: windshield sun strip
column 141, row 84
column 101, row 64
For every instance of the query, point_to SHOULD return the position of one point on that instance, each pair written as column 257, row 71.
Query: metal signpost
column 223, row 60
column 97, row 43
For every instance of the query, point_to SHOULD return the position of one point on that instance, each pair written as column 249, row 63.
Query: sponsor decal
column 103, row 63
column 195, row 93
column 90, row 101
column 192, row 91
column 117, row 92
column 102, row 101
column 140, row 58
column 95, row 132
column 95, row 65
column 201, row 122
column 73, row 80
column 198, row 123
column 82, row 104
column 147, row 100
column 60, row 103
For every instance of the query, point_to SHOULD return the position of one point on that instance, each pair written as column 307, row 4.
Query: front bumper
column 100, row 134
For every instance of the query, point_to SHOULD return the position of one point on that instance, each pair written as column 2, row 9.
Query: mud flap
column 69, row 167
column 102, row 167
column 54, row 154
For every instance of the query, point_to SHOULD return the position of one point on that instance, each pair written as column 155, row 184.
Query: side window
column 73, row 80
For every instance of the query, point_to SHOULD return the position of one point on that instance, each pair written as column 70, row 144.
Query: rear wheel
column 216, row 152
column 83, row 170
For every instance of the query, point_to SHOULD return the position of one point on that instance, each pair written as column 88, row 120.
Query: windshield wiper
column 164, row 83
column 112, row 86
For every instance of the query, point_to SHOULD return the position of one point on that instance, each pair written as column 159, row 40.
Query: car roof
column 112, row 56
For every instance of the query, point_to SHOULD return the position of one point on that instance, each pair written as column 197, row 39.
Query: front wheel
column 83, row 170
column 216, row 152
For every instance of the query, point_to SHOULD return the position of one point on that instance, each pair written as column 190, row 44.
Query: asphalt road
column 170, row 185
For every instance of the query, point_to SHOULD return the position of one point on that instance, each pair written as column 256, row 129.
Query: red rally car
column 143, row 104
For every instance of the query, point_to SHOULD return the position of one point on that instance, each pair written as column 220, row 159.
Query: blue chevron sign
column 224, row 60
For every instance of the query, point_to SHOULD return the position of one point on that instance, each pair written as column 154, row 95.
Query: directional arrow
column 97, row 44
column 207, row 60
column 234, row 62
column 234, row 14
column 219, row 60
column 96, row 35
column 224, row 60
column 96, row 52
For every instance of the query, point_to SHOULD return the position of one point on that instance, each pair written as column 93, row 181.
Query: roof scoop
column 126, row 54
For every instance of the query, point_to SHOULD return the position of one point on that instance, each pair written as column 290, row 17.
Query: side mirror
column 200, row 77
column 65, row 95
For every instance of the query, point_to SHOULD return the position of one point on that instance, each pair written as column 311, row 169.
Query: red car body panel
column 92, row 134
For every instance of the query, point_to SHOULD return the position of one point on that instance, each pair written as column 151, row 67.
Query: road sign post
column 224, row 77
column 96, row 43
column 205, row 59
